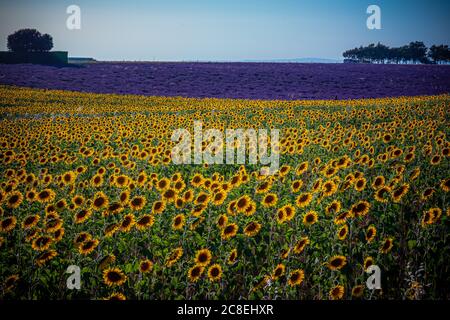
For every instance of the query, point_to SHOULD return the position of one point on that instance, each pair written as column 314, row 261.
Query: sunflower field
column 87, row 180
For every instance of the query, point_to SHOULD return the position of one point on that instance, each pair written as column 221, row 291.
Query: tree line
column 415, row 52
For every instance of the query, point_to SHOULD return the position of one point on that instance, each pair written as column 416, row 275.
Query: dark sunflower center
column 195, row 272
column 14, row 199
column 336, row 262
column 215, row 272
column 99, row 202
column 114, row 276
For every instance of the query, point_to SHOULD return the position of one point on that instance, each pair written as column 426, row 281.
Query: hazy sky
column 225, row 29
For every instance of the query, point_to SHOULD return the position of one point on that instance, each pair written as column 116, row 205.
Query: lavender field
column 285, row 81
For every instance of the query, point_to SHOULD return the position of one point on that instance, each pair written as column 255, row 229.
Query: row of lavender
column 237, row 80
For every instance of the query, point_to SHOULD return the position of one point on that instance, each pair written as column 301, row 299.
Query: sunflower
column 169, row 195
column 229, row 231
column 14, row 199
column 137, row 203
column 296, row 185
column 251, row 208
column 68, row 178
column 310, row 218
column 96, row 181
column 82, row 215
column 328, row 172
column 281, row 216
column 427, row 193
column 145, row 221
column 81, row 237
column 368, row 261
column 278, row 271
column 378, row 182
column 127, row 223
column 53, row 224
column 106, row 261
column 114, row 208
column 30, row 195
column 328, row 188
column 317, row 186
column 333, row 208
column 414, row 174
column 437, row 213
column 11, row 282
column 178, row 222
column 8, row 224
column 232, row 257
column 300, row 245
column 121, row 181
column 427, row 218
column 337, row 292
column 99, row 201
column 360, row 209
column 242, row 203
column 142, row 179
column 174, row 256
column 197, row 180
column 111, row 229
column 303, row 200
column 263, row 187
column 371, row 233
column 203, row 257
column 124, row 197
column 58, row 235
column 88, row 246
column 398, row 193
column 188, row 196
column 296, row 277
column 360, row 184
column 301, row 168
column 44, row 257
column 179, row 186
column 222, row 221
column 445, row 185
column 145, row 266
column 337, row 262
column 219, row 197
column 382, row 193
column 78, row 200
column 215, row 272
column 387, row 245
column 342, row 232
column 30, row 221
column 197, row 211
column 114, row 277
column 158, row 206
column 358, row 291
column 195, row 273
column 41, row 243
column 252, row 229
column 61, row 204
column 435, row 160
column 284, row 254
column 46, row 195
column 116, row 296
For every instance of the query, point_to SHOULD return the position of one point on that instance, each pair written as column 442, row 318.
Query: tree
column 29, row 40
column 439, row 53
column 417, row 52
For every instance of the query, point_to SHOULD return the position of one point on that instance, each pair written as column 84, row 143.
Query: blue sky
column 225, row 29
